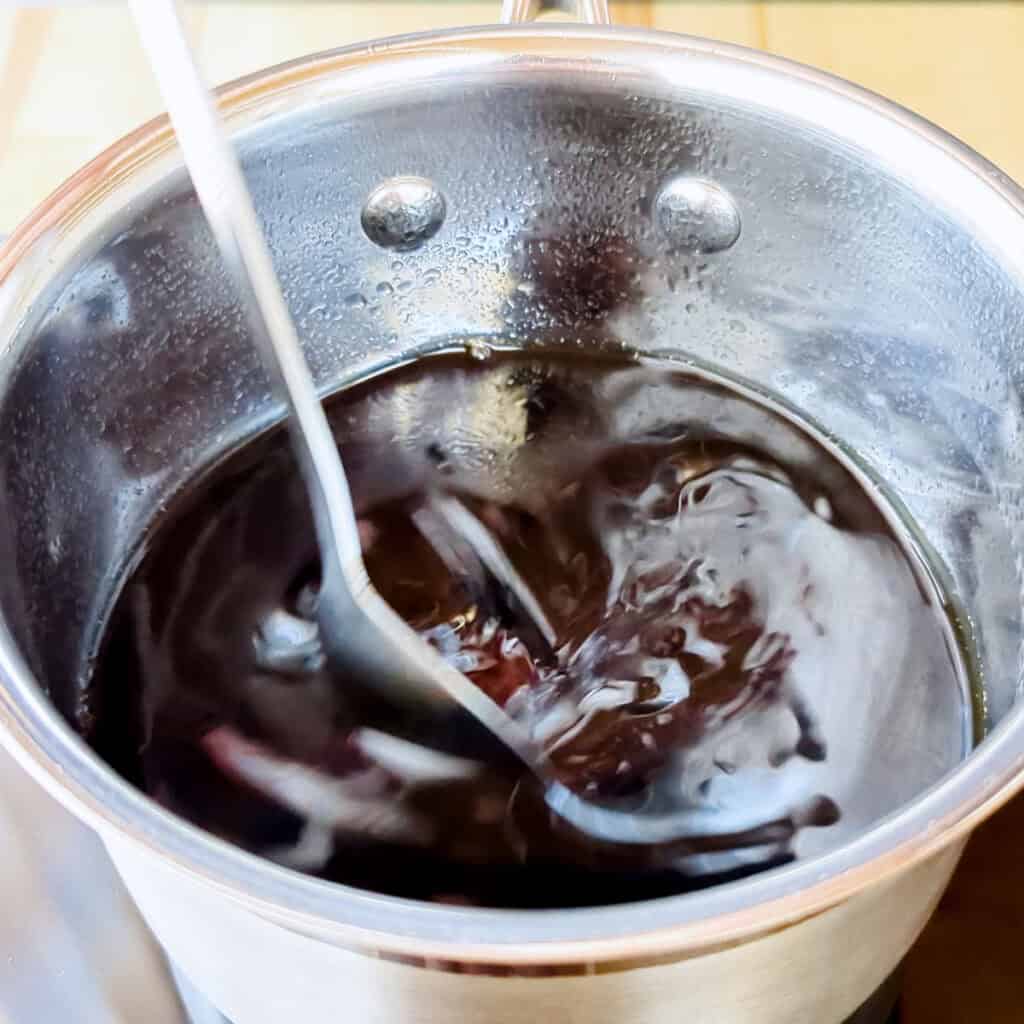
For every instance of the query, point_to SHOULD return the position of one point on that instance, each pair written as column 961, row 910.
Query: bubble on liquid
column 479, row 350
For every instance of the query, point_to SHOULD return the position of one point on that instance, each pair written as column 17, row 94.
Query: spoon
column 388, row 666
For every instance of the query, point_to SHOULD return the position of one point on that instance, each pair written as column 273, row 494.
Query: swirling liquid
column 741, row 636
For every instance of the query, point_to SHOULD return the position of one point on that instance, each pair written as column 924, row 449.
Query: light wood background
column 72, row 78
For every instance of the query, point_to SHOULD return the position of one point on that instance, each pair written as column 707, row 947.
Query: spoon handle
column 364, row 631
column 226, row 201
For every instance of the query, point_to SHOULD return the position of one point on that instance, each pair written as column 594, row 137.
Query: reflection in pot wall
column 72, row 946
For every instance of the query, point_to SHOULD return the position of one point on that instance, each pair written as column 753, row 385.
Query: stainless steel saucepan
column 567, row 185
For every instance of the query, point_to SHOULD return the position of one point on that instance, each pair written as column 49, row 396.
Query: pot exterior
column 255, row 971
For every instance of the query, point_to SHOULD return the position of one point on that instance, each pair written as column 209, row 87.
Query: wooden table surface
column 72, row 80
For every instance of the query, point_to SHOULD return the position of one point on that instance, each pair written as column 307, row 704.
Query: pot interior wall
column 867, row 306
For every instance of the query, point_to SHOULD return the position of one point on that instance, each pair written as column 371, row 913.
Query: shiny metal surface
column 75, row 947
column 877, row 285
column 696, row 215
column 593, row 12
column 198, row 1008
column 402, row 213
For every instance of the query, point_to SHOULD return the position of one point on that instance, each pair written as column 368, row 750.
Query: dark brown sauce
column 690, row 550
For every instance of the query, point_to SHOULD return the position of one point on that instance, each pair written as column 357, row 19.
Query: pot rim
column 628, row 934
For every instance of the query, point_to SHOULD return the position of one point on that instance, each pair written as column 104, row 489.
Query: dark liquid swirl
column 731, row 616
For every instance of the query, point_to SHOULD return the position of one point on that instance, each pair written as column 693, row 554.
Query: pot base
column 881, row 1008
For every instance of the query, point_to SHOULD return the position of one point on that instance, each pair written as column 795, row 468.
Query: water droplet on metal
column 696, row 215
column 402, row 213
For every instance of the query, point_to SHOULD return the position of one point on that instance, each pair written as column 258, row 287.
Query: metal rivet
column 696, row 215
column 402, row 213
